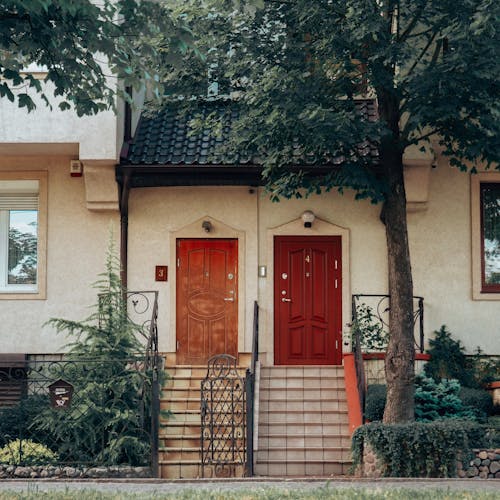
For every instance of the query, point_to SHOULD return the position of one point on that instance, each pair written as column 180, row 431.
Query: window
column 485, row 233
column 22, row 241
column 490, row 237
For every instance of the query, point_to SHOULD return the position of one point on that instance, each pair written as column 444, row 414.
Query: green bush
column 18, row 421
column 440, row 400
column 418, row 449
column 448, row 359
column 376, row 395
column 479, row 399
column 26, row 452
column 105, row 422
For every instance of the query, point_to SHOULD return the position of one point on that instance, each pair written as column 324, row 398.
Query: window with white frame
column 19, row 236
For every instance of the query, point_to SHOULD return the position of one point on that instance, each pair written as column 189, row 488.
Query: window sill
column 26, row 294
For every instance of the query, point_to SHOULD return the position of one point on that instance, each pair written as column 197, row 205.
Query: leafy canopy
column 85, row 48
column 297, row 66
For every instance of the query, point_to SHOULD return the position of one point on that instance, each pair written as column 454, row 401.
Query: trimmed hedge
column 418, row 449
column 376, row 396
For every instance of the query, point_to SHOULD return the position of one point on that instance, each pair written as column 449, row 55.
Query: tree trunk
column 400, row 357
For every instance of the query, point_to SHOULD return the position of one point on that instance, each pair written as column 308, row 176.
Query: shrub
column 448, row 360
column 18, row 421
column 105, row 421
column 435, row 401
column 418, row 449
column 26, row 452
column 376, row 395
column 479, row 399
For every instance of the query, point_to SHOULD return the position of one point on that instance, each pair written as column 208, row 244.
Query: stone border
column 65, row 472
column 484, row 465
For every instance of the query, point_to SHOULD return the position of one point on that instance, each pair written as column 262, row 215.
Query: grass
column 323, row 493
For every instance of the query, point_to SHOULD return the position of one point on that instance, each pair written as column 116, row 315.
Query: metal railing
column 250, row 390
column 28, row 400
column 370, row 330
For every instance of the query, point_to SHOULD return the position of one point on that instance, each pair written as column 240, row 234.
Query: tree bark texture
column 400, row 356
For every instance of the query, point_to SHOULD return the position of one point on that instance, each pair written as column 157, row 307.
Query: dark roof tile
column 164, row 137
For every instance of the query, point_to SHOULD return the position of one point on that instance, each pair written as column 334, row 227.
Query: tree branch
column 422, row 54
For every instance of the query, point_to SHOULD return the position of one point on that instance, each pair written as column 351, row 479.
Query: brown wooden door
column 207, row 300
column 308, row 300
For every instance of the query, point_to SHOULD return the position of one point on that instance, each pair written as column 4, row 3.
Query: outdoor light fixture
column 308, row 218
column 206, row 225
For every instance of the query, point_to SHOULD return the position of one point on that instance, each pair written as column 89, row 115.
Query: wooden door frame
column 195, row 231
column 296, row 228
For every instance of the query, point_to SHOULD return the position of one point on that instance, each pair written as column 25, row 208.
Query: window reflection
column 490, row 195
column 22, row 253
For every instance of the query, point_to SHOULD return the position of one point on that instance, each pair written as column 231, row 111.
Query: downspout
column 124, row 195
column 125, row 190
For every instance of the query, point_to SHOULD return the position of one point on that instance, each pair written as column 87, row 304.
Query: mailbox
column 61, row 393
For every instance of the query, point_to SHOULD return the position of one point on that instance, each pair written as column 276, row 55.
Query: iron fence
column 85, row 411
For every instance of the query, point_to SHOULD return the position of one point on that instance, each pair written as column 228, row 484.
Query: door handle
column 229, row 299
column 285, row 300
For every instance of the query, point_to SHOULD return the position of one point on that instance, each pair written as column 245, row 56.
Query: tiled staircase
column 303, row 422
column 180, row 433
column 180, row 441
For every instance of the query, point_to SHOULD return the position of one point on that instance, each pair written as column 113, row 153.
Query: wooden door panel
column 206, row 319
column 319, row 285
column 308, row 300
column 294, row 284
column 297, row 342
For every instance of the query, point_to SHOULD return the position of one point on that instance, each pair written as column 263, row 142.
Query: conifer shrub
column 105, row 423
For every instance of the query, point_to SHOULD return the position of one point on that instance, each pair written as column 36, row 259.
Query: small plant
column 440, row 400
column 368, row 327
column 26, row 452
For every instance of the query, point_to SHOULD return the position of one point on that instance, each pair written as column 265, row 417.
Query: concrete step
column 304, row 454
column 303, row 417
column 278, row 468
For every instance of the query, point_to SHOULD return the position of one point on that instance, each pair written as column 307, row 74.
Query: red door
column 308, row 300
column 207, row 302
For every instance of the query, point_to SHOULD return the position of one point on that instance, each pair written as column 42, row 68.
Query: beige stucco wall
column 158, row 215
column 440, row 244
column 77, row 243
column 439, row 239
column 96, row 137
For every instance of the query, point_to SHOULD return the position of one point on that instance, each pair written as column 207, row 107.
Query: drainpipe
column 124, row 194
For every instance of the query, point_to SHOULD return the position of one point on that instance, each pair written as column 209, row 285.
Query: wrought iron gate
column 223, row 422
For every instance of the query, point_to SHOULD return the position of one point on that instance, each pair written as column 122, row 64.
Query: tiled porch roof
column 163, row 138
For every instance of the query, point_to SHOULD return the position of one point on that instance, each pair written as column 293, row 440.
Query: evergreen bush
column 479, row 399
column 418, row 449
column 440, row 400
column 105, row 422
column 448, row 360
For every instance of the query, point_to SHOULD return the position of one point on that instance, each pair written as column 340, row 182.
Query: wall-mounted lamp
column 206, row 225
column 308, row 218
